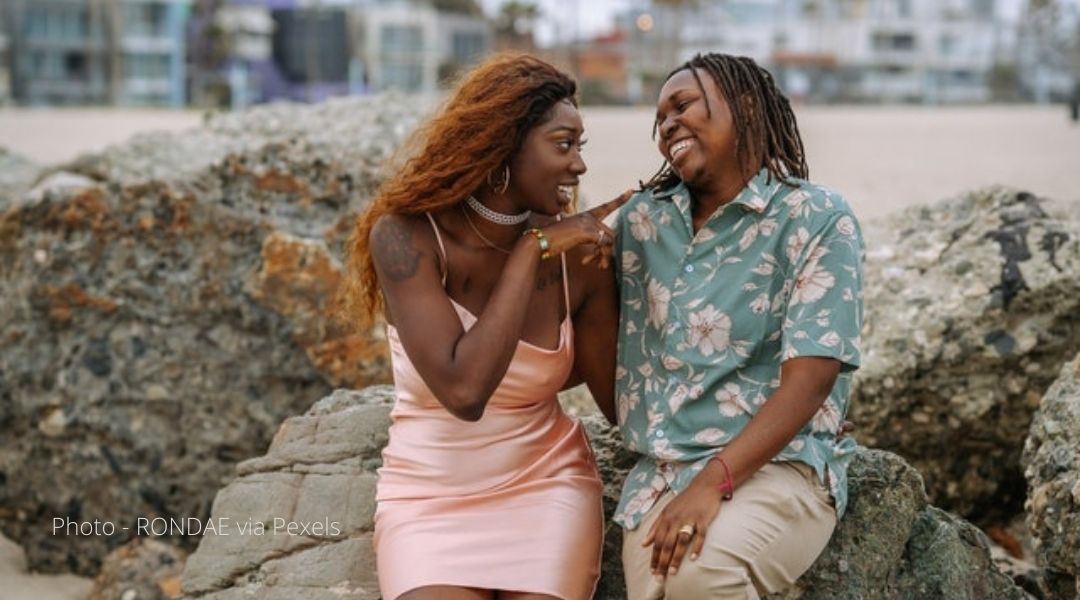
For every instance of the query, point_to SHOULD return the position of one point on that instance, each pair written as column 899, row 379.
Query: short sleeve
column 824, row 310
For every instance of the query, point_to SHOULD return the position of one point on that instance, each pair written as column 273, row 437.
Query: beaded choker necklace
column 496, row 217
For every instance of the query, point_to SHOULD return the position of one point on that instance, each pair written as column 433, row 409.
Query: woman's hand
column 586, row 228
column 682, row 526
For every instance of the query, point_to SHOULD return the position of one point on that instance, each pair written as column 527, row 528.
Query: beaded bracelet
column 543, row 241
column 727, row 488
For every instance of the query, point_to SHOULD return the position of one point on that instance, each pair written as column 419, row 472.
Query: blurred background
column 231, row 53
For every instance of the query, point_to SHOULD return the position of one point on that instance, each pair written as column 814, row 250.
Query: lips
column 678, row 148
column 566, row 193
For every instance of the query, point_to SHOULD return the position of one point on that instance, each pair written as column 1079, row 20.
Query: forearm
column 772, row 428
column 479, row 359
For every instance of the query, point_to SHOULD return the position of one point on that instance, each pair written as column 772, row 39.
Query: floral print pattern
column 708, row 317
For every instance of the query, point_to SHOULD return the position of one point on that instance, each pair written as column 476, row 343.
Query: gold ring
column 688, row 529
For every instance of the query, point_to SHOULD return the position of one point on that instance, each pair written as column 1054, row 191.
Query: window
column 402, row 38
column 947, row 44
column 466, row 46
column 146, row 66
column 893, row 41
column 405, row 77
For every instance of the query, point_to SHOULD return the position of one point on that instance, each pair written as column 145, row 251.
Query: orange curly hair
column 458, row 148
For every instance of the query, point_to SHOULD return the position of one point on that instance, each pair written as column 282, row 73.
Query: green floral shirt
column 707, row 319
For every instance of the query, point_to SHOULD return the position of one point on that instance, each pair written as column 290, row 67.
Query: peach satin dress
column 510, row 502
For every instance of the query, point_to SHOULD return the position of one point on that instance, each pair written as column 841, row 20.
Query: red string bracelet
column 727, row 488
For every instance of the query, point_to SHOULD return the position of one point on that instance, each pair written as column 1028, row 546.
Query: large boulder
column 297, row 522
column 971, row 305
column 167, row 303
column 1052, row 467
column 17, row 174
column 142, row 569
column 891, row 544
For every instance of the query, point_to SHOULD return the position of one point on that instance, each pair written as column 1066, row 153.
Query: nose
column 577, row 167
column 667, row 127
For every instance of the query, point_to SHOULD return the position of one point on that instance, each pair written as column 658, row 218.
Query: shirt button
column 689, row 268
column 659, row 433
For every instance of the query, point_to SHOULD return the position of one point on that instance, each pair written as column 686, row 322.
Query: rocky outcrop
column 972, row 304
column 167, row 305
column 17, row 174
column 1052, row 467
column 319, row 469
column 298, row 521
column 142, row 569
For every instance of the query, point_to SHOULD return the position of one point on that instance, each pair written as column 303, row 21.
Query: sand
column 880, row 158
column 17, row 584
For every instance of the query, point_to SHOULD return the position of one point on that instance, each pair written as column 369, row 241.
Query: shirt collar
column 756, row 196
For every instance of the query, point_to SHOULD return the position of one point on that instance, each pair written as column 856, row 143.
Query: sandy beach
column 880, row 158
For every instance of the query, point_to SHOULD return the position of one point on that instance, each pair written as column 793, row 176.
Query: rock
column 1052, row 468
column 317, row 478
column 890, row 545
column 167, row 305
column 17, row 174
column 142, row 569
column 971, row 304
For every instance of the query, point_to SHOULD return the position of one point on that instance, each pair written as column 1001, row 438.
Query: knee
column 697, row 580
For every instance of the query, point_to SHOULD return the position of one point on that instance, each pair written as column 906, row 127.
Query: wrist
column 726, row 484
column 543, row 245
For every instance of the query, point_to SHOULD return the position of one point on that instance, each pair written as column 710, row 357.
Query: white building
column 411, row 46
column 858, row 50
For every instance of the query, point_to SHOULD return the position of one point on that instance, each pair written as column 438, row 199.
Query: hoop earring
column 504, row 182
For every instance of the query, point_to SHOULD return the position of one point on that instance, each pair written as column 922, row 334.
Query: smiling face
column 547, row 168
column 700, row 146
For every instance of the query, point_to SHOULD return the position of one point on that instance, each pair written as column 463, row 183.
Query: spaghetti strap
column 565, row 285
column 442, row 249
column 565, row 280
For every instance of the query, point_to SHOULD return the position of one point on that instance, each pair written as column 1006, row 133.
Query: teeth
column 566, row 191
column 679, row 147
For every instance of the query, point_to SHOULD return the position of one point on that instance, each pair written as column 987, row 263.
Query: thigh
column 776, row 526
column 446, row 592
column 504, row 595
column 640, row 582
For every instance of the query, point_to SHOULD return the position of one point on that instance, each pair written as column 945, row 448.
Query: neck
column 718, row 192
column 501, row 203
column 502, row 237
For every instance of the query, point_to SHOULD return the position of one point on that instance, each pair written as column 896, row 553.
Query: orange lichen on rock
column 62, row 299
column 299, row 279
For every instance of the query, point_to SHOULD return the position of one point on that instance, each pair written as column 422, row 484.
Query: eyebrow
column 671, row 97
column 568, row 128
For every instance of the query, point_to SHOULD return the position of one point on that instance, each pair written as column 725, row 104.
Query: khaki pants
column 760, row 542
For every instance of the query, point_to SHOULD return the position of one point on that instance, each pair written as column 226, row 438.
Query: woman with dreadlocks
column 740, row 296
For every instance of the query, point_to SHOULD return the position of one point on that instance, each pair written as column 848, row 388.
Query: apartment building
column 932, row 51
column 73, row 52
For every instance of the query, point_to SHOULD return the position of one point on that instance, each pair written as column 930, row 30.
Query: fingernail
column 693, row 557
column 672, row 571
column 659, row 578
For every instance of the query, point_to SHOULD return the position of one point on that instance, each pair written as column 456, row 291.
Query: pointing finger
column 610, row 206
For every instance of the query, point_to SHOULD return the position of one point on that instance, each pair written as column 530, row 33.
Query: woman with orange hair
column 493, row 304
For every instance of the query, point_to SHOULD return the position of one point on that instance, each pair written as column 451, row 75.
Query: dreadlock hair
column 476, row 133
column 765, row 127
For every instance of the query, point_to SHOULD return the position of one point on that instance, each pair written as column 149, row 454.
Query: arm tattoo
column 397, row 256
column 549, row 277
